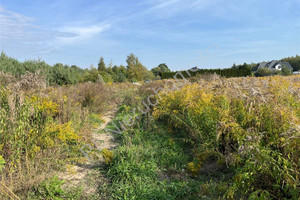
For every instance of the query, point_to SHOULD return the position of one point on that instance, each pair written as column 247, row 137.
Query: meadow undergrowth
column 43, row 129
column 212, row 139
column 251, row 125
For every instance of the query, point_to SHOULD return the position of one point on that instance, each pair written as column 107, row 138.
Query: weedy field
column 203, row 138
column 42, row 130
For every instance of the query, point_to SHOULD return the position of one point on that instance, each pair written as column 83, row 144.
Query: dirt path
column 104, row 140
column 88, row 175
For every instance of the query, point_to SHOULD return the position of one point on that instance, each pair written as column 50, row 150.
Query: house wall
column 278, row 67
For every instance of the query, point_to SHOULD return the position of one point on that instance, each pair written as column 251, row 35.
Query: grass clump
column 52, row 189
column 152, row 165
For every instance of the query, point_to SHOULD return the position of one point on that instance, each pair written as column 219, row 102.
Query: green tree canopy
column 294, row 61
column 132, row 60
column 119, row 73
column 245, row 66
column 157, row 71
column 101, row 65
column 286, row 71
column 136, row 70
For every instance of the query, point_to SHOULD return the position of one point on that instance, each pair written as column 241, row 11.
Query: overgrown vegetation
column 43, row 129
column 218, row 138
column 60, row 74
column 208, row 137
column 251, row 125
column 264, row 71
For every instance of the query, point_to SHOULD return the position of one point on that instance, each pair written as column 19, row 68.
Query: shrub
column 222, row 72
column 29, row 131
column 264, row 71
column 286, row 71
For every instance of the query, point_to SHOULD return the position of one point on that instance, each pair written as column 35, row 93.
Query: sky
column 180, row 33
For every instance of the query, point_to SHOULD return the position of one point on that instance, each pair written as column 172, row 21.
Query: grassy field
column 204, row 138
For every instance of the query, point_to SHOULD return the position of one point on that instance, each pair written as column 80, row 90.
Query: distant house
column 275, row 65
column 297, row 72
column 194, row 69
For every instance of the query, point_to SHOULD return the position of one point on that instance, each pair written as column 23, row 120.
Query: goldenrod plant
column 251, row 124
column 206, row 137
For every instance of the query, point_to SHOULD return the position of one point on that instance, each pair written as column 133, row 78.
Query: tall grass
column 214, row 138
column 251, row 125
column 43, row 128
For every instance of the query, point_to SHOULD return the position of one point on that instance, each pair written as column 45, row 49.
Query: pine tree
column 101, row 65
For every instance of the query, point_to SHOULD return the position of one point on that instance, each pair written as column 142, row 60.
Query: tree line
column 60, row 74
column 294, row 62
column 230, row 72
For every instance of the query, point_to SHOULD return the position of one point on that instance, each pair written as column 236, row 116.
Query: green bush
column 264, row 71
column 286, row 71
column 222, row 72
column 58, row 74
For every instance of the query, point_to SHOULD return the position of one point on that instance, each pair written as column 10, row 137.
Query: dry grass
column 250, row 124
column 66, row 110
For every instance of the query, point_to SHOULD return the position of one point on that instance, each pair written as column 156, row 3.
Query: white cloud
column 82, row 33
column 18, row 33
column 12, row 24
column 164, row 4
column 168, row 8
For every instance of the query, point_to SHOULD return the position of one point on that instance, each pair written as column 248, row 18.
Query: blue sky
column 180, row 33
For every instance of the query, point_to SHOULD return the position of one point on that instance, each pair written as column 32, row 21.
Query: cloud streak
column 169, row 8
column 19, row 32
column 81, row 33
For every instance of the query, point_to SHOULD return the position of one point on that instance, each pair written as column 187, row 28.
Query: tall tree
column 136, row 70
column 132, row 60
column 119, row 73
column 157, row 71
column 101, row 65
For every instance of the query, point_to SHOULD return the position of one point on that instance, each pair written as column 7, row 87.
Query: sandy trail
column 87, row 175
column 104, row 140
